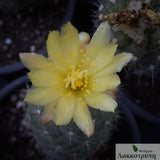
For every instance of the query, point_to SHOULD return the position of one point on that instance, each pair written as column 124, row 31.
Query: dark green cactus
column 68, row 142
column 136, row 29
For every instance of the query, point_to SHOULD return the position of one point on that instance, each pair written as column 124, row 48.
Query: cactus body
column 68, row 142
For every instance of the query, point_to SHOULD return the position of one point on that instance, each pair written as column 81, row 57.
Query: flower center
column 77, row 79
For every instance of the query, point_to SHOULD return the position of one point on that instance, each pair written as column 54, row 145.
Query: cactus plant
column 135, row 25
column 79, row 75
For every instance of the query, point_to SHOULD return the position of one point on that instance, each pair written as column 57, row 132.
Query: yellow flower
column 77, row 75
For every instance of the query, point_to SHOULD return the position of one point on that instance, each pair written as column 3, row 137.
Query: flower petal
column 104, row 57
column 116, row 65
column 70, row 44
column 108, row 82
column 100, row 38
column 54, row 50
column 101, row 101
column 41, row 96
column 53, row 44
column 41, row 78
column 102, row 35
column 63, row 112
column 35, row 61
column 47, row 115
column 83, row 119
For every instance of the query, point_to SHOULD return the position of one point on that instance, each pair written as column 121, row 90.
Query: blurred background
column 24, row 27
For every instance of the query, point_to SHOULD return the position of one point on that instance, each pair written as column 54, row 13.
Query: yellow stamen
column 92, row 64
column 85, row 85
column 76, row 79
column 81, row 50
column 87, row 91
column 87, row 59
column 82, row 60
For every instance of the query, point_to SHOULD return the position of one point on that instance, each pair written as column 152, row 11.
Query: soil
column 25, row 29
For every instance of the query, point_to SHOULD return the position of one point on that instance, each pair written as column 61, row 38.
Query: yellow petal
column 35, row 61
column 116, row 65
column 83, row 119
column 101, row 101
column 70, row 44
column 64, row 109
column 41, row 96
column 104, row 57
column 53, row 44
column 100, row 38
column 41, row 78
column 108, row 82
column 54, row 49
